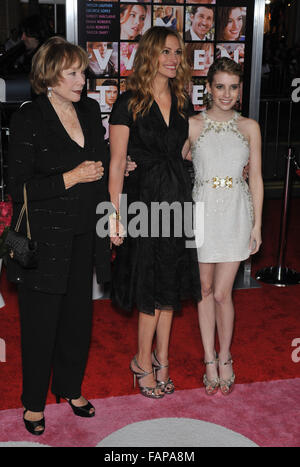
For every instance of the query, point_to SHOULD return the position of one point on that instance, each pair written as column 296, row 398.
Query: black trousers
column 56, row 330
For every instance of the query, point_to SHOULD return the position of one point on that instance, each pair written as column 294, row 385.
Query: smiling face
column 134, row 24
column 234, row 26
column 169, row 58
column 70, row 85
column 225, row 90
column 202, row 21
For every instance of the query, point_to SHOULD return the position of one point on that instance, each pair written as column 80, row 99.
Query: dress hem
column 175, row 309
column 210, row 261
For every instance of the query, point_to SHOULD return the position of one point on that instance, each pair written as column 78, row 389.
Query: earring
column 49, row 92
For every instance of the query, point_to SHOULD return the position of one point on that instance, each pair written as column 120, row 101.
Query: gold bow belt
column 222, row 182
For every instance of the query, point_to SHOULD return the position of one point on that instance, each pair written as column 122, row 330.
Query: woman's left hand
column 255, row 240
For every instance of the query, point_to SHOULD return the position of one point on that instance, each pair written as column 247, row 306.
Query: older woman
column 57, row 149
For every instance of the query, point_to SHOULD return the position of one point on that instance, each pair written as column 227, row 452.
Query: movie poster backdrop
column 110, row 32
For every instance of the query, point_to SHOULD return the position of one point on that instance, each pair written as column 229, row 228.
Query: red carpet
column 267, row 322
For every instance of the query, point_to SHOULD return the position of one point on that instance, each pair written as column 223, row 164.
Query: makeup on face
column 234, row 26
column 225, row 90
column 70, row 85
column 134, row 24
column 169, row 58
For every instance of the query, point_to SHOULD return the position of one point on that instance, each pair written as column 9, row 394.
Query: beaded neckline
column 218, row 122
column 219, row 127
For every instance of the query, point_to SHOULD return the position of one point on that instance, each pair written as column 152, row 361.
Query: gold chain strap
column 24, row 209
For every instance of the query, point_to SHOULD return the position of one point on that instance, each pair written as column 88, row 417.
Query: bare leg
column 207, row 317
column 163, row 332
column 146, row 330
column 224, row 279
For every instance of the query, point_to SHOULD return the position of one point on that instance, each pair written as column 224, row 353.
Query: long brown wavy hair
column 145, row 67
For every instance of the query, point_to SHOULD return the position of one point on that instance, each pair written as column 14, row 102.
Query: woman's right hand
column 86, row 172
column 116, row 231
column 89, row 171
column 130, row 166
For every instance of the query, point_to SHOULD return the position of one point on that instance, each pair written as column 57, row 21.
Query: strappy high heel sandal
column 166, row 386
column 32, row 426
column 227, row 385
column 145, row 390
column 211, row 385
column 84, row 411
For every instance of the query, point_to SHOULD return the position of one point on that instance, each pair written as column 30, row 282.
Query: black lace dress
column 155, row 271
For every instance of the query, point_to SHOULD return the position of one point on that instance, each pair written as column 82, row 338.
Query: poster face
column 110, row 31
column 135, row 19
column 169, row 16
column 231, row 23
column 200, row 23
column 105, row 92
column 103, row 58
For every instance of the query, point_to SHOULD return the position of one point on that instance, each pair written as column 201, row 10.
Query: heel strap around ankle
column 210, row 363
column 144, row 373
column 229, row 362
column 158, row 365
column 216, row 360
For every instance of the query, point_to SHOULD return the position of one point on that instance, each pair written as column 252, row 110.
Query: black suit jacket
column 41, row 151
column 188, row 35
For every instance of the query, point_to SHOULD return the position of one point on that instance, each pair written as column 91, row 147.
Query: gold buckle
column 222, row 182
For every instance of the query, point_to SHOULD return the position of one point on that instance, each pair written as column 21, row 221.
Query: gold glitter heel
column 227, row 385
column 211, row 385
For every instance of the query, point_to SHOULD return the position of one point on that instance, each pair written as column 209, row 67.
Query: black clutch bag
column 21, row 248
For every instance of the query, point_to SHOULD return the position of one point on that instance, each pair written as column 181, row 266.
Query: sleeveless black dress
column 155, row 272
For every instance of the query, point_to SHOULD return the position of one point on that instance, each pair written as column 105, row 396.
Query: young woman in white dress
column 220, row 144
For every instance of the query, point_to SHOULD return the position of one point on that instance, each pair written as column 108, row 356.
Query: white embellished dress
column 219, row 155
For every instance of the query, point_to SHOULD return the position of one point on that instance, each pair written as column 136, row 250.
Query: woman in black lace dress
column 153, row 270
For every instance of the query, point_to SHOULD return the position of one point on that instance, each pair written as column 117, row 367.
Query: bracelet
column 115, row 215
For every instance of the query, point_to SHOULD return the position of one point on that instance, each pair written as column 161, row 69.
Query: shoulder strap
column 24, row 209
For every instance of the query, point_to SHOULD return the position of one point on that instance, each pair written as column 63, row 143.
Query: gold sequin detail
column 222, row 182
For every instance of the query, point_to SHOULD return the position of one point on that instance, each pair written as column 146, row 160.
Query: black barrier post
column 281, row 275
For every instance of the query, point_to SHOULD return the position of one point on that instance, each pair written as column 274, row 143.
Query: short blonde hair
column 225, row 65
column 54, row 56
